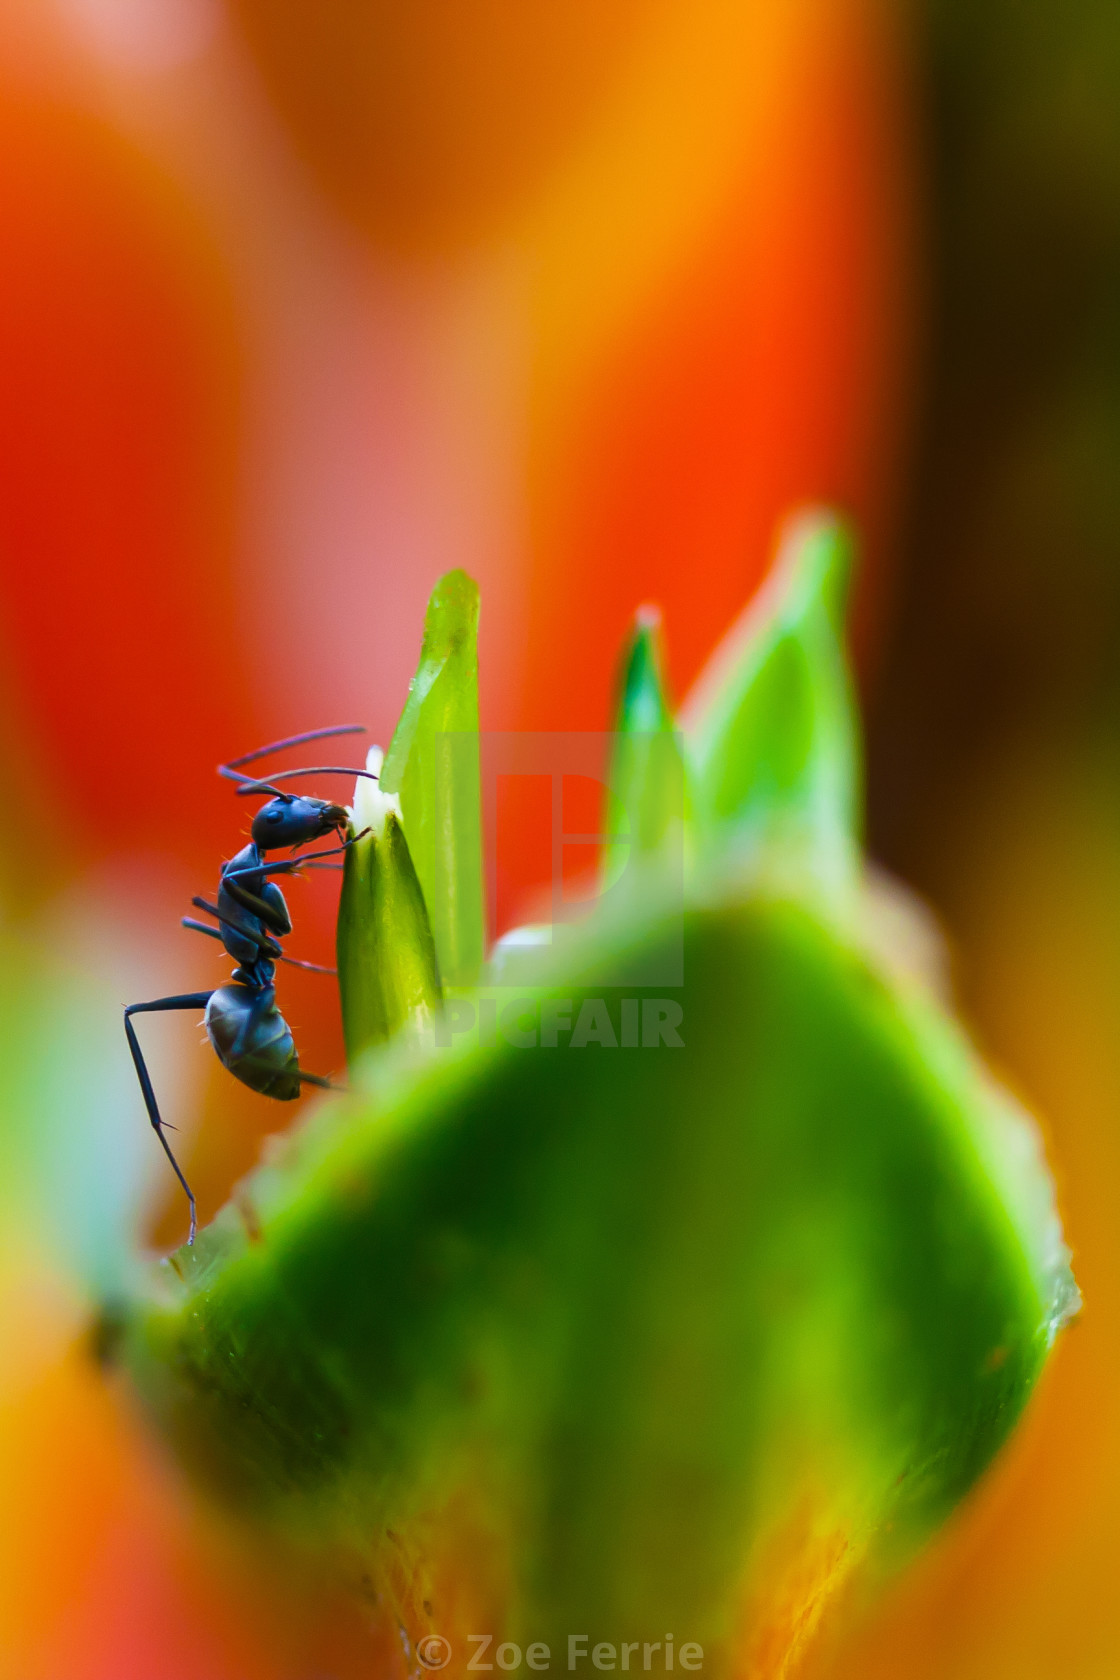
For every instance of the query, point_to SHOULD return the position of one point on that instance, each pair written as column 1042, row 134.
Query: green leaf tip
column 642, row 704
column 388, row 971
column 771, row 726
column 647, row 793
column 433, row 766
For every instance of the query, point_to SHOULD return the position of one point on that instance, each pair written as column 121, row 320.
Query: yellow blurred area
column 429, row 122
column 1020, row 1585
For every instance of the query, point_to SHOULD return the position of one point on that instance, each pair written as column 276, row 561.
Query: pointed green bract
column 432, row 765
column 771, row 728
column 613, row 1309
column 643, row 706
column 388, row 974
column 646, row 803
column 626, row 1339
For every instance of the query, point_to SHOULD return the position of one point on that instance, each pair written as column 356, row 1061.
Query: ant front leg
column 289, row 866
column 186, row 1000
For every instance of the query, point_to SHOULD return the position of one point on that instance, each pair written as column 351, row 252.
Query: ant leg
column 256, row 904
column 323, row 1084
column 287, row 866
column 231, row 918
column 293, row 962
column 200, row 927
column 187, row 1000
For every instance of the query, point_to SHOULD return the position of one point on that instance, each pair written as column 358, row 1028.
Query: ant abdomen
column 253, row 1040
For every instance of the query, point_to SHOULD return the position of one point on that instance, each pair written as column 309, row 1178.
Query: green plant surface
column 771, row 732
column 432, row 765
column 388, row 972
column 669, row 1313
column 640, row 1313
column 647, row 801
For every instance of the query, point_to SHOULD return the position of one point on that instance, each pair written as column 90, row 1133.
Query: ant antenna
column 294, row 741
column 247, row 781
column 246, row 785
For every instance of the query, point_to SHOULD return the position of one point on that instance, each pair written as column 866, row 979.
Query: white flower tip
column 371, row 807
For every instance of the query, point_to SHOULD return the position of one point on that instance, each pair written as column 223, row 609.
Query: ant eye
column 274, row 817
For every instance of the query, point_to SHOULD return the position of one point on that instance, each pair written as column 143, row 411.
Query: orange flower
column 662, row 263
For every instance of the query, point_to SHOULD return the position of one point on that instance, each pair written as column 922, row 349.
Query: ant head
column 289, row 820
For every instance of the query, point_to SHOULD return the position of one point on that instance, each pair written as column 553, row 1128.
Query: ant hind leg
column 186, row 1000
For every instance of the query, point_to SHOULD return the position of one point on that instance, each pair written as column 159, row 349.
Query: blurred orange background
column 301, row 307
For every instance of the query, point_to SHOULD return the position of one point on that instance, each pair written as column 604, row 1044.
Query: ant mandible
column 248, row 1032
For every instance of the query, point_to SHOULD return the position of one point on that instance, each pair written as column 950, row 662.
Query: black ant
column 248, row 1032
